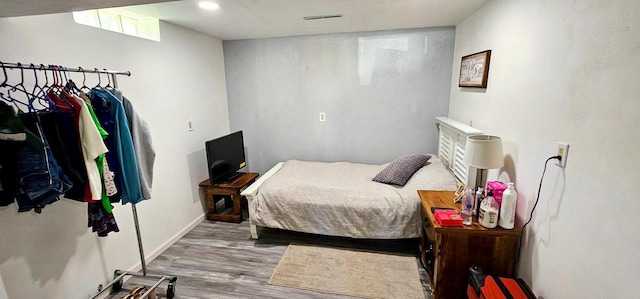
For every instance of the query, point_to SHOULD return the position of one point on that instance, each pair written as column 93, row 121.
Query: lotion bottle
column 508, row 207
column 488, row 216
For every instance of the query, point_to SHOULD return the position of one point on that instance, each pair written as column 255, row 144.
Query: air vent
column 322, row 17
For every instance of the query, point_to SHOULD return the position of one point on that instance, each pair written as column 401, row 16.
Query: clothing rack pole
column 118, row 274
column 137, row 225
column 43, row 67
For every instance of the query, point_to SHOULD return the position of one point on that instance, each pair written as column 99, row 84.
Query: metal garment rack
column 119, row 275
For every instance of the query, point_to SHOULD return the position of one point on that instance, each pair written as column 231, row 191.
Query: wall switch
column 322, row 116
column 563, row 152
column 189, row 125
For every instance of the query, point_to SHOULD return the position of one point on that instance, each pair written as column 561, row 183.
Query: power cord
column 535, row 204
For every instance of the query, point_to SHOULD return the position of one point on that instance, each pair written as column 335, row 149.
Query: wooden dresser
column 448, row 252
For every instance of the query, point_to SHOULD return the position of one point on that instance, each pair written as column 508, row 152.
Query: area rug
column 348, row 272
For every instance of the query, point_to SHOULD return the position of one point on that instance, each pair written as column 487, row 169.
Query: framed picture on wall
column 474, row 70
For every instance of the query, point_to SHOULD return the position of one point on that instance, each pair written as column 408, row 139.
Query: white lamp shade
column 484, row 152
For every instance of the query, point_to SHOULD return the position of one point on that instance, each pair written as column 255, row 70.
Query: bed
column 340, row 198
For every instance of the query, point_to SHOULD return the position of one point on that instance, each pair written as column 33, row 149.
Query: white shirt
column 92, row 147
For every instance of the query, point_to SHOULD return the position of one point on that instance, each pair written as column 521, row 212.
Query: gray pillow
column 400, row 170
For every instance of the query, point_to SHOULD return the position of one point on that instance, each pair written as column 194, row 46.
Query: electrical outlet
column 322, row 116
column 563, row 152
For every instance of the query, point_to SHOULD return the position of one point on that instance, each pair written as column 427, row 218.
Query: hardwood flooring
column 220, row 260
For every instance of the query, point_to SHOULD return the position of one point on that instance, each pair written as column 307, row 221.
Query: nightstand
column 448, row 252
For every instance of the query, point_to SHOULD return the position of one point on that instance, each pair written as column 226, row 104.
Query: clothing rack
column 119, row 275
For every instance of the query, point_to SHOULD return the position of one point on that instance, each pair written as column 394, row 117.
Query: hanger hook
column 53, row 73
column 46, row 78
column 65, row 73
column 99, row 80
column 108, row 77
column 84, row 76
column 21, row 73
column 35, row 75
column 58, row 75
column 4, row 71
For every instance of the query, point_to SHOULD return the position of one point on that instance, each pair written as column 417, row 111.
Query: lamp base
column 481, row 179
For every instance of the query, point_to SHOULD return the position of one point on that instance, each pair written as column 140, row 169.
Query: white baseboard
column 154, row 254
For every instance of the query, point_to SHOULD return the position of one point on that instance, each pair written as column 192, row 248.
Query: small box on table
column 448, row 217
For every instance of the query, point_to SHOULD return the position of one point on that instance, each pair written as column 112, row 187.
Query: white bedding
column 340, row 199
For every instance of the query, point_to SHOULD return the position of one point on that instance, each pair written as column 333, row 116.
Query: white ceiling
column 246, row 19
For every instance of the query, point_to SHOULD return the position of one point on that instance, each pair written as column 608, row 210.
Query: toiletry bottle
column 508, row 207
column 467, row 206
column 488, row 216
column 476, row 206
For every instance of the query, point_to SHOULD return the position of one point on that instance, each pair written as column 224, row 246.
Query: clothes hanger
column 4, row 84
column 62, row 73
column 35, row 76
column 40, row 91
column 54, row 81
column 71, row 86
column 57, row 92
column 108, row 78
column 6, row 78
column 84, row 80
column 99, row 80
column 36, row 85
column 22, row 89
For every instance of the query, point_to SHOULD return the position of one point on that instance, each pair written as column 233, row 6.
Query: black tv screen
column 225, row 156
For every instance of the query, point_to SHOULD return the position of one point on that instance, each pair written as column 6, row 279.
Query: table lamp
column 483, row 152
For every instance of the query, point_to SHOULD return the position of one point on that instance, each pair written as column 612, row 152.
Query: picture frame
column 459, row 193
column 474, row 70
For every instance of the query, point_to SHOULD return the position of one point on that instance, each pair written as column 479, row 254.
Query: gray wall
column 380, row 92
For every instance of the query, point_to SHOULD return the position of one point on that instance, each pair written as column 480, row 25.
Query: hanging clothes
column 105, row 176
column 142, row 144
column 103, row 113
column 130, row 186
column 12, row 138
column 41, row 180
column 92, row 146
column 101, row 222
column 62, row 131
column 100, row 216
column 9, row 150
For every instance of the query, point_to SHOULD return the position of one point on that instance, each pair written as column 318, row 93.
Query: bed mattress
column 340, row 199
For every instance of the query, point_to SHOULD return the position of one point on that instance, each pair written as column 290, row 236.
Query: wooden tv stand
column 219, row 191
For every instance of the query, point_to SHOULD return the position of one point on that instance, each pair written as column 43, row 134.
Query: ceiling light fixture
column 208, row 5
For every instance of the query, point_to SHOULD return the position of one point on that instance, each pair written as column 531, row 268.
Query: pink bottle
column 498, row 188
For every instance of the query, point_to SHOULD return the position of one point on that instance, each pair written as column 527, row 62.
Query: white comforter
column 340, row 199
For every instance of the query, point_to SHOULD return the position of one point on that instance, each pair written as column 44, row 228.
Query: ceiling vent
column 321, row 17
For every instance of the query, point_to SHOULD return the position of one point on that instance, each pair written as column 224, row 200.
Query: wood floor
column 220, row 260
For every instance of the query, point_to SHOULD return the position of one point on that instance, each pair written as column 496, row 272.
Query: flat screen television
column 225, row 156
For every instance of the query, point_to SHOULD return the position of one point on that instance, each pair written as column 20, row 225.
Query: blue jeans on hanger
column 41, row 180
